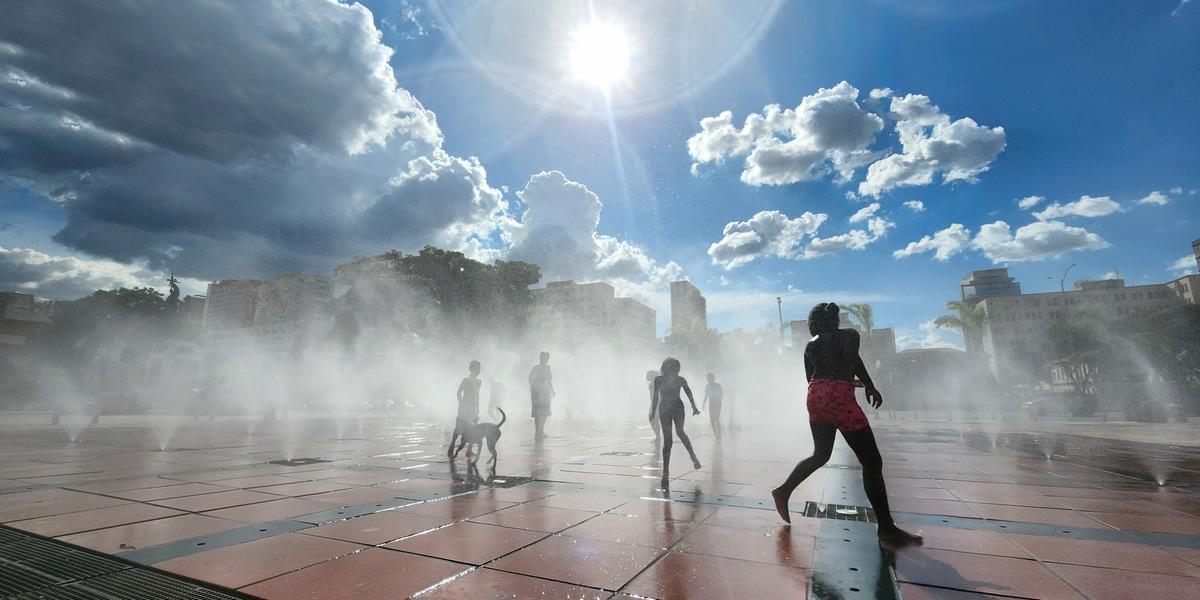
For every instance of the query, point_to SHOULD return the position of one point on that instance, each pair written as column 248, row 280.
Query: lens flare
column 599, row 54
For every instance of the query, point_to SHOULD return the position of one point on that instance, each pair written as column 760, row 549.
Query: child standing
column 468, row 404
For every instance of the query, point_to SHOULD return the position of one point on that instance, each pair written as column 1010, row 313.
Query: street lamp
column 1062, row 293
column 779, row 303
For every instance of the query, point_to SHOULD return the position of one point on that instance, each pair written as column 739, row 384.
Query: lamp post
column 779, row 303
column 1062, row 293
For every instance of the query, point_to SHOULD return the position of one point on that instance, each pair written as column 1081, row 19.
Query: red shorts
column 833, row 401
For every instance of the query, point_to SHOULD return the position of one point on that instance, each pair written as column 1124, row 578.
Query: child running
column 664, row 398
column 831, row 362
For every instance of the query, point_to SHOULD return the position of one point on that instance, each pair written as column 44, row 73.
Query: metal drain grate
column 59, row 562
column 839, row 512
column 147, row 585
column 298, row 462
column 8, row 536
column 16, row 580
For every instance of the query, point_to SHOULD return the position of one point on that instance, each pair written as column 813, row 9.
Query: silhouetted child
column 664, row 398
column 654, row 424
column 468, row 404
column 541, row 390
column 714, row 394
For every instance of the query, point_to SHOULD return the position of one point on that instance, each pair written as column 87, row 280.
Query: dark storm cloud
column 227, row 138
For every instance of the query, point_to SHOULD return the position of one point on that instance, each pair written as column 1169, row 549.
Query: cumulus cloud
column 932, row 144
column 1176, row 191
column 1029, row 202
column 928, row 335
column 827, row 131
column 1157, row 197
column 880, row 93
column 557, row 231
column 915, row 205
column 865, row 213
column 1183, row 266
column 767, row 233
column 1085, row 206
column 70, row 277
column 233, row 139
column 1036, row 241
column 944, row 244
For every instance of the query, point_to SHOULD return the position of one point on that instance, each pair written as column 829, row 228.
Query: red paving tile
column 522, row 493
column 979, row 573
column 251, row 562
column 1024, row 514
column 467, row 542
column 371, row 478
column 589, row 563
column 1135, row 506
column 114, row 540
column 253, row 482
column 372, row 573
column 755, row 519
column 1010, row 498
column 125, row 484
column 271, row 511
column 784, row 546
column 377, row 528
column 216, row 500
column 303, row 488
column 582, row 501
column 682, row 576
column 661, row 509
column 641, row 531
column 909, row 591
column 950, row 508
column 1116, row 555
column 88, row 520
column 458, row 507
column 357, row 495
column 1153, row 523
column 488, row 584
column 969, row 540
column 32, row 507
column 1112, row 584
column 1191, row 555
column 170, row 491
column 535, row 518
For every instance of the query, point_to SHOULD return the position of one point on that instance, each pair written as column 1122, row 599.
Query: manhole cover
column 298, row 462
column 839, row 512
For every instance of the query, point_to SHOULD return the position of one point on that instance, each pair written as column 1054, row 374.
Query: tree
column 967, row 318
column 862, row 318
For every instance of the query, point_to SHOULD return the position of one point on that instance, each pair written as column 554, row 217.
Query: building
column 571, row 312
column 21, row 315
column 231, row 304
column 192, row 310
column 988, row 283
column 689, row 310
column 290, row 308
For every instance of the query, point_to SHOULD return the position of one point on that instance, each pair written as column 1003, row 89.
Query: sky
column 855, row 151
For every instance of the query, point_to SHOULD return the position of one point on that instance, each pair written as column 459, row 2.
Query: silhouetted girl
column 665, row 398
column 468, row 404
column 831, row 362
column 714, row 394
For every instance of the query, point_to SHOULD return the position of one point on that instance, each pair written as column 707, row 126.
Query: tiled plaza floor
column 1004, row 514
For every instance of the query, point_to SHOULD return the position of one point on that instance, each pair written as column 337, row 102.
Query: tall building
column 689, row 310
column 230, row 304
column 572, row 312
column 988, row 283
column 1196, row 252
column 21, row 315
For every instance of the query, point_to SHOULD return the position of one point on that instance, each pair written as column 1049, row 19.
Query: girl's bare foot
column 696, row 463
column 894, row 537
column 781, row 505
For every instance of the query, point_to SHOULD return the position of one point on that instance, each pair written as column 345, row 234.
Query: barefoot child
column 468, row 404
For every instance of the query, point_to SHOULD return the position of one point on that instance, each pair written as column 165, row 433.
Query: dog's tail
column 503, row 417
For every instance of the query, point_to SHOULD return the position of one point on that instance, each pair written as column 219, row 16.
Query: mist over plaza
column 567, row 299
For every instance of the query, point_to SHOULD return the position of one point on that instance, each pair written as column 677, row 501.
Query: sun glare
column 599, row 54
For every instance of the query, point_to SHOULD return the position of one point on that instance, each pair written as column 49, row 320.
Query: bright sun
column 599, row 54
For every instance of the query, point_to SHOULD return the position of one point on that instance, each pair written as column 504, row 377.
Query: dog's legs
column 492, row 447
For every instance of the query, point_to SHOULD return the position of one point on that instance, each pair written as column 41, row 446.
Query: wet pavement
column 378, row 511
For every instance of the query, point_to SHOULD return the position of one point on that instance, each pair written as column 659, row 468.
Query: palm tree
column 967, row 318
column 862, row 318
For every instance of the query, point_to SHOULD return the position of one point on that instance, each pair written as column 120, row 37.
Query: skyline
column 888, row 139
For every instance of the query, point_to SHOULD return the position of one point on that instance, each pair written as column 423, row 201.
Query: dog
column 476, row 434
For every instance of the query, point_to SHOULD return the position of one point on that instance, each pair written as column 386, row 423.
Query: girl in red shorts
column 831, row 362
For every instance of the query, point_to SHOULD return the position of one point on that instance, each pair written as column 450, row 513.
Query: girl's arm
column 874, row 398
column 808, row 368
column 687, row 390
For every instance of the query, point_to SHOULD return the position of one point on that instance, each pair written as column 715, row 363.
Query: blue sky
column 1093, row 99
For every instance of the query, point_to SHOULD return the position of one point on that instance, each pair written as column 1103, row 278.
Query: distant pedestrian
column 665, row 399
column 714, row 394
column 541, row 390
column 468, row 404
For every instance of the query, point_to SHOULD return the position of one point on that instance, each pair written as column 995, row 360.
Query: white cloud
column 1176, row 191
column 865, row 212
column 1085, row 206
column 959, row 150
column 1156, row 197
column 557, row 231
column 929, row 336
column 944, row 244
column 71, row 277
column 827, row 131
column 855, row 239
column 1178, row 7
column 1033, row 242
column 915, row 206
column 767, row 233
column 1029, row 202
column 1184, row 266
column 880, row 93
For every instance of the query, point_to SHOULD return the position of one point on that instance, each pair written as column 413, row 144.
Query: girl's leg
column 714, row 415
column 823, row 435
column 656, row 425
column 862, row 442
column 683, row 437
column 668, row 441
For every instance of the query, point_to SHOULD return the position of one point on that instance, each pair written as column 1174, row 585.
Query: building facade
column 21, row 315
column 571, row 312
column 689, row 309
column 231, row 304
column 988, row 283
